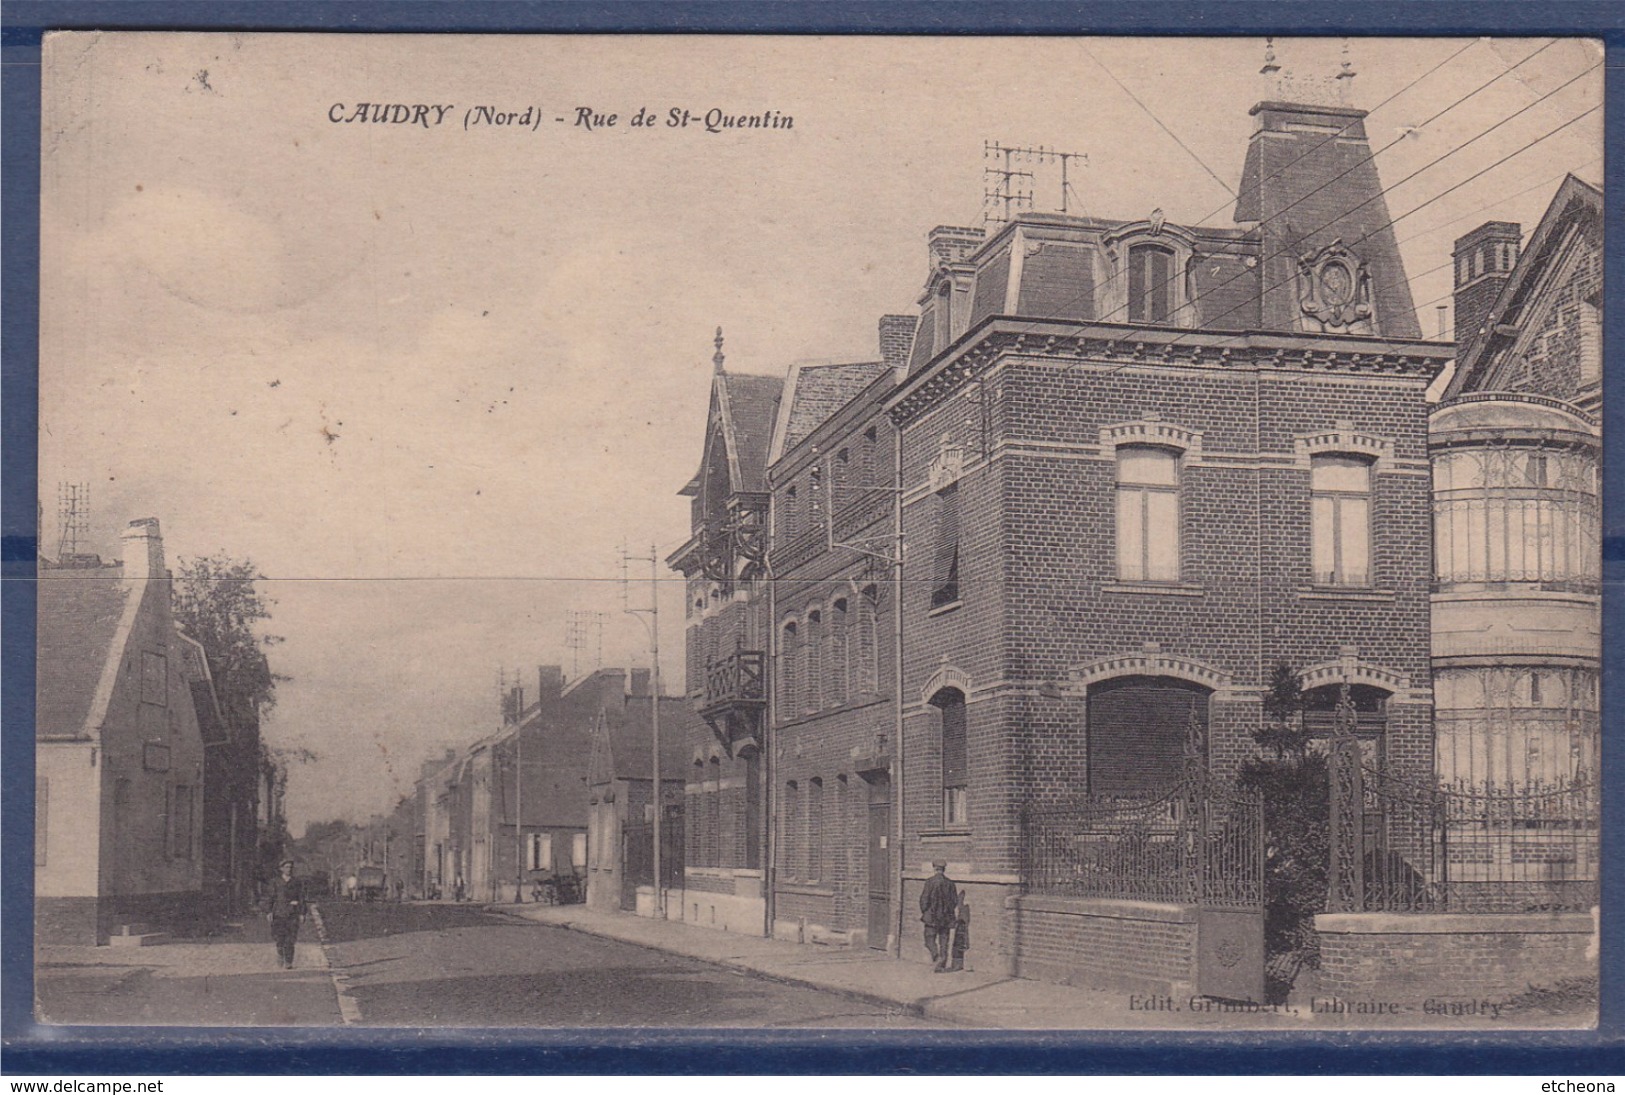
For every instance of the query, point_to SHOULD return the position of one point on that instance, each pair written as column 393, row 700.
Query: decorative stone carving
column 1334, row 287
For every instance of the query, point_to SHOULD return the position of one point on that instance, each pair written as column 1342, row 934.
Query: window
column 1515, row 515
column 945, row 563
column 950, row 702
column 578, row 849
column 540, row 856
column 154, row 678
column 813, row 677
column 1150, row 284
column 42, row 814
column 790, row 854
column 1147, row 514
column 815, row 827
column 868, row 652
column 1138, row 730
column 789, row 659
column 838, row 663
column 943, row 317
column 1340, row 515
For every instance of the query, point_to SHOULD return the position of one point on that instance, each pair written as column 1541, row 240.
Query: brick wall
column 1106, row 944
column 1394, row 956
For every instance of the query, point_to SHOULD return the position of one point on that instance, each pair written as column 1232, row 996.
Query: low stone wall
column 1131, row 945
column 1419, row 955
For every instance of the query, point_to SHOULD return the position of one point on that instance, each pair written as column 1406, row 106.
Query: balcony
column 737, row 681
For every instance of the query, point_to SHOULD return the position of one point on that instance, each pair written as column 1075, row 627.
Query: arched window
column 868, row 644
column 790, row 854
column 1138, row 730
column 789, row 678
column 838, row 664
column 1150, row 284
column 713, row 813
column 812, row 647
column 815, row 828
column 1147, row 514
column 950, row 704
column 1340, row 519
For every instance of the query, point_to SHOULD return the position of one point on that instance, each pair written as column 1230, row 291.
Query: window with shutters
column 1150, row 284
column 540, row 849
column 1137, row 731
column 1147, row 514
column 945, row 560
column 1340, row 516
column 950, row 703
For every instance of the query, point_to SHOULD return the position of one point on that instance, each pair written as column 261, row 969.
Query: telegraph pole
column 651, row 620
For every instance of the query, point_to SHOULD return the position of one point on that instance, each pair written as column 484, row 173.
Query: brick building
column 119, row 752
column 1138, row 466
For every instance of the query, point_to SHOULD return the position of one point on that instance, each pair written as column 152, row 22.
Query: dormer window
column 944, row 316
column 1150, row 284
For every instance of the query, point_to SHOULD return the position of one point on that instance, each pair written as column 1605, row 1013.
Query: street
column 431, row 965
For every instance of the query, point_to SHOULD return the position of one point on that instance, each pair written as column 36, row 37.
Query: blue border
column 31, row 1050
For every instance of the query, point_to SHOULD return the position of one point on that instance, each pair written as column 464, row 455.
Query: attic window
column 1150, row 284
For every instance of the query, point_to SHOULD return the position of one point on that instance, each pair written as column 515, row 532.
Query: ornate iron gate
column 1201, row 845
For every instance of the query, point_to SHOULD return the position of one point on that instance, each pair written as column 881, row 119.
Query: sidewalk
column 969, row 998
column 230, row 980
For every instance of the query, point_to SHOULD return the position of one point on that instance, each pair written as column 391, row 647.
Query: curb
column 349, row 1006
column 917, row 1008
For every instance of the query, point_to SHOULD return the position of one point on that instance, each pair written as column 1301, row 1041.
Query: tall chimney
column 1484, row 261
column 549, row 682
column 948, row 244
column 143, row 550
column 896, row 339
column 639, row 686
column 1311, row 185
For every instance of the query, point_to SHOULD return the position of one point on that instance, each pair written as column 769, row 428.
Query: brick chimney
column 638, row 686
column 1309, row 183
column 1484, row 261
column 549, row 683
column 143, row 550
column 896, row 339
column 948, row 244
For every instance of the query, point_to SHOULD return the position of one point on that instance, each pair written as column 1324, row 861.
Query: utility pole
column 651, row 620
column 518, row 811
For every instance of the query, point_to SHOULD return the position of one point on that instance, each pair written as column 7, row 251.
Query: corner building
column 1142, row 464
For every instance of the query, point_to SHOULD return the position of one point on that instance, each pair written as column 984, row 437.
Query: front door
column 880, row 913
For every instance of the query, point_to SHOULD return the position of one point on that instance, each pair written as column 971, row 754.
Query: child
column 961, row 932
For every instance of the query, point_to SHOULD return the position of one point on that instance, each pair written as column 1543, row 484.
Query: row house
column 1137, row 466
column 124, row 719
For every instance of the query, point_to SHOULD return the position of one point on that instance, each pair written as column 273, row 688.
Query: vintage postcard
column 907, row 533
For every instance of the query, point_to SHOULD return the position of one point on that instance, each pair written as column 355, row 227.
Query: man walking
column 939, row 902
column 284, row 910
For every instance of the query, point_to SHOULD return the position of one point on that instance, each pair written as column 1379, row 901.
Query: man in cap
column 939, row 902
column 285, row 909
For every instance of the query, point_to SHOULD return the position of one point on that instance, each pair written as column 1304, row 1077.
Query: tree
column 1295, row 787
column 218, row 604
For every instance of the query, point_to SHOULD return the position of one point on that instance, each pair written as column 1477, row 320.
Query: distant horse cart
column 370, row 884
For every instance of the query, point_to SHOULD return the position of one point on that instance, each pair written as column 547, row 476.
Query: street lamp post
column 651, row 620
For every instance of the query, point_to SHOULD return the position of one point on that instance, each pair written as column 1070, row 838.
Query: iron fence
column 1464, row 847
column 1200, row 844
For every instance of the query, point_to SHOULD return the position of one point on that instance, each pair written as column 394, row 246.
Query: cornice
column 1133, row 346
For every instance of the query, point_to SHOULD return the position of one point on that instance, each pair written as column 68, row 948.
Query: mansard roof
column 1576, row 203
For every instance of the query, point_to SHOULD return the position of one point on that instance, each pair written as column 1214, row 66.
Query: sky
column 431, row 379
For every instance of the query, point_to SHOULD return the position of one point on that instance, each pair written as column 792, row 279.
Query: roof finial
column 717, row 358
column 1270, row 67
column 1345, row 77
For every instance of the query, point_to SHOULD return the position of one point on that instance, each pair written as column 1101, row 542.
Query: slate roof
column 79, row 614
column 630, row 738
column 818, row 391
column 752, row 405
